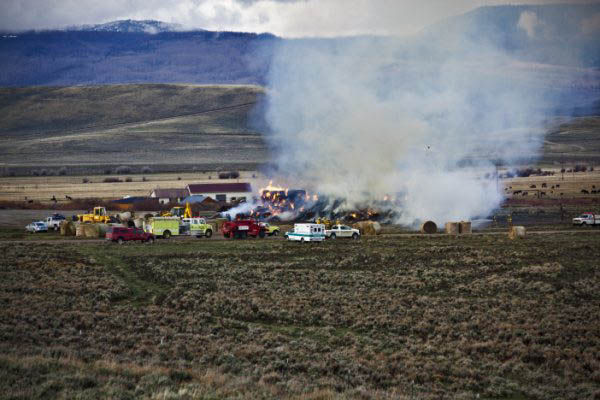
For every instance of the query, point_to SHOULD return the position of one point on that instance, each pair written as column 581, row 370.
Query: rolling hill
column 90, row 129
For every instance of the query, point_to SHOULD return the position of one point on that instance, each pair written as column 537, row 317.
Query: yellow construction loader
column 99, row 215
column 181, row 212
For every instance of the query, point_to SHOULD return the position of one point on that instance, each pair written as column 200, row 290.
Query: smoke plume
column 422, row 120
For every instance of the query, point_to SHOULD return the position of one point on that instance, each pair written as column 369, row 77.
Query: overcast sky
column 288, row 18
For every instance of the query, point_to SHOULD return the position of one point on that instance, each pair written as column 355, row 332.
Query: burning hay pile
column 276, row 204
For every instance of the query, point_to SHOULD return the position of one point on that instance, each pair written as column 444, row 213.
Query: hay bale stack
column 464, row 228
column 124, row 216
column 452, row 228
column 67, row 228
column 516, row 232
column 79, row 230
column 91, row 230
column 429, row 227
column 368, row 228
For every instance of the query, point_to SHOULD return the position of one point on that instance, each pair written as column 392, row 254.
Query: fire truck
column 242, row 228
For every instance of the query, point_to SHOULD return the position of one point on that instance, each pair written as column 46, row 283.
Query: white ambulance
column 307, row 233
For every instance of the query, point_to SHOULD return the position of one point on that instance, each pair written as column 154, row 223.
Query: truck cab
column 196, row 227
column 53, row 222
column 242, row 228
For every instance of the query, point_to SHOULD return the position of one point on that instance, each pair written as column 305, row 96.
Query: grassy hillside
column 58, row 109
column 174, row 128
column 92, row 57
column 171, row 127
column 575, row 140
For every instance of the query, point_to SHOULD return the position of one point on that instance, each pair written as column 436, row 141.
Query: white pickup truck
column 53, row 222
column 587, row 219
column 342, row 231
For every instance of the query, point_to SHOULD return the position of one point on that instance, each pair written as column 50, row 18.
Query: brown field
column 567, row 185
column 401, row 317
column 43, row 188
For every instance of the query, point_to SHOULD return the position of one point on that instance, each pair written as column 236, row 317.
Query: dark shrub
column 123, row 169
column 112, row 180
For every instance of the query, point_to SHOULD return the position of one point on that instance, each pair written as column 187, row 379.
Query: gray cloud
column 291, row 18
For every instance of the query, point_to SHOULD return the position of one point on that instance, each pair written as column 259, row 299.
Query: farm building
column 166, row 196
column 222, row 191
column 128, row 203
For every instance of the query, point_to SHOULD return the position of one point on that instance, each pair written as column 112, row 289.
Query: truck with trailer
column 242, row 228
column 164, row 227
column 587, row 219
column 306, row 233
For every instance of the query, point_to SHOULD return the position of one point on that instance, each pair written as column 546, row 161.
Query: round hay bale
column 67, row 228
column 429, row 227
column 452, row 228
column 368, row 228
column 464, row 227
column 91, row 230
column 516, row 232
column 79, row 230
column 125, row 216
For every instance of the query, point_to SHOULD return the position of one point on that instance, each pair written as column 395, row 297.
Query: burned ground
column 399, row 317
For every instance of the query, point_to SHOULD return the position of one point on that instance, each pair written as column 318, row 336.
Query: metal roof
column 170, row 193
column 201, row 188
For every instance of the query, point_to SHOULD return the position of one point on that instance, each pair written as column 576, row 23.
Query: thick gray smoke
column 423, row 121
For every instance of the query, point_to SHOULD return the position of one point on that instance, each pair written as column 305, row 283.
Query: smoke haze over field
column 363, row 118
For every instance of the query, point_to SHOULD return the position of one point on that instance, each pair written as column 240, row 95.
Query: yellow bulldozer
column 98, row 215
column 181, row 212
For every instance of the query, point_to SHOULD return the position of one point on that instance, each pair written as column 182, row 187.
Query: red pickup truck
column 121, row 235
column 242, row 228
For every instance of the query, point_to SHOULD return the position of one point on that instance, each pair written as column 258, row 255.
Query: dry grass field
column 43, row 188
column 387, row 317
